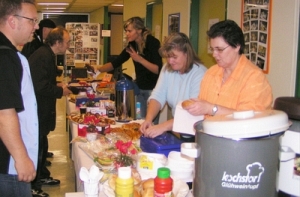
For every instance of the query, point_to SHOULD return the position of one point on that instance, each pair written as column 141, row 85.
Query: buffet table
column 79, row 157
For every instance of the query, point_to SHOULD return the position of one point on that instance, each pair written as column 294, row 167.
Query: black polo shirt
column 10, row 89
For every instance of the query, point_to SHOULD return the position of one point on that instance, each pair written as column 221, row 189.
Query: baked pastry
column 132, row 130
column 148, row 188
column 187, row 103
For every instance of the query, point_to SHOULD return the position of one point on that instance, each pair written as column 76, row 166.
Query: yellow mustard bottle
column 124, row 183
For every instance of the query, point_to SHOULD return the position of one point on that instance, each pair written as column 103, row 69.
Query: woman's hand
column 151, row 131
column 133, row 54
column 94, row 68
column 145, row 125
column 200, row 107
column 154, row 130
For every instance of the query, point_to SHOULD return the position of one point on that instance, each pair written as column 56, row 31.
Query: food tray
column 163, row 144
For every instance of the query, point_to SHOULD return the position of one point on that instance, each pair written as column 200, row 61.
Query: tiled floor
column 62, row 165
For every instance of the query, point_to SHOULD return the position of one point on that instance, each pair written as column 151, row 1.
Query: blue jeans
column 143, row 99
column 11, row 187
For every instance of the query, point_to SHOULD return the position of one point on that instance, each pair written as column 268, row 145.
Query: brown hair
column 11, row 7
column 180, row 42
column 138, row 24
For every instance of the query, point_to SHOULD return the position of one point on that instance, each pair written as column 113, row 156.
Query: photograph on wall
column 256, row 29
column 84, row 45
column 174, row 23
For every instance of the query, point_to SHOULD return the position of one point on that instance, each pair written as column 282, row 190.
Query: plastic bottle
column 163, row 183
column 138, row 110
column 124, row 183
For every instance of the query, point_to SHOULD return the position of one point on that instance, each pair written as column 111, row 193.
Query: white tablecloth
column 80, row 159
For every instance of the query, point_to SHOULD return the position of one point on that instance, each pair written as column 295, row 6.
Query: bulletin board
column 256, row 23
column 84, row 45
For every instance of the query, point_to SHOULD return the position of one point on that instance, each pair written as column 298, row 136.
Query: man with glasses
column 18, row 105
column 43, row 70
column 33, row 20
column 234, row 83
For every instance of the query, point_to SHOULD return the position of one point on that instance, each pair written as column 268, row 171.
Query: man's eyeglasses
column 33, row 20
column 219, row 50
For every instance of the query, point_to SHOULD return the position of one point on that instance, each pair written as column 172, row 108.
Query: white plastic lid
column 124, row 172
column 247, row 124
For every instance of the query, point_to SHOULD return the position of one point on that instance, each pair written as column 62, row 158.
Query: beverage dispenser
column 125, row 100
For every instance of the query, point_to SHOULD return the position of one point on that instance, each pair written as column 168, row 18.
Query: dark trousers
column 42, row 171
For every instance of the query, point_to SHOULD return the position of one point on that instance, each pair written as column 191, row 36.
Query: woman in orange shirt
column 234, row 83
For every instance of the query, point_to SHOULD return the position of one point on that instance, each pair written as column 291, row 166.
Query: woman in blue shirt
column 179, row 80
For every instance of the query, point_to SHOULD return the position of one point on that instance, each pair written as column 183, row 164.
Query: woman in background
column 179, row 80
column 143, row 49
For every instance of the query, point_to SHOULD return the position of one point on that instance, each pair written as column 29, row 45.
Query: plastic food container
column 163, row 144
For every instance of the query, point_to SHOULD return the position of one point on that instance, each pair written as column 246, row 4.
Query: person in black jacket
column 43, row 70
column 45, row 26
column 143, row 50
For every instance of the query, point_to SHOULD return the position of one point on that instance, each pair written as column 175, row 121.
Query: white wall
column 284, row 43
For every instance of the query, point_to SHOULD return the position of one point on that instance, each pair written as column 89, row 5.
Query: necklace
column 224, row 79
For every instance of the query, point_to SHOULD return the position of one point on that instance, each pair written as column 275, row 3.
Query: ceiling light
column 50, row 11
column 117, row 5
column 53, row 8
column 53, row 3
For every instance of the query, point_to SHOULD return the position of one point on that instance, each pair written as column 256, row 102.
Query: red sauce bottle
column 163, row 183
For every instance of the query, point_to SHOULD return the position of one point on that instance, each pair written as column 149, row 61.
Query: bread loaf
column 148, row 183
column 149, row 192
column 187, row 103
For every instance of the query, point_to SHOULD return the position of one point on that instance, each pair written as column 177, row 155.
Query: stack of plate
column 181, row 166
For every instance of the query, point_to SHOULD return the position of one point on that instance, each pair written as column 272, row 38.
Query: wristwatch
column 214, row 110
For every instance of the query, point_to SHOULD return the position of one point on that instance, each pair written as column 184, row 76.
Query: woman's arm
column 151, row 58
column 150, row 130
column 137, row 58
column 152, row 110
column 104, row 68
column 202, row 107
